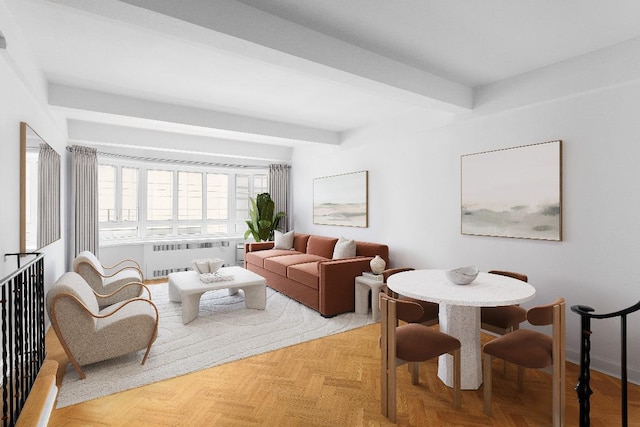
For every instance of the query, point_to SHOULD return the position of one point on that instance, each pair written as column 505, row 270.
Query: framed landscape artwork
column 341, row 200
column 514, row 192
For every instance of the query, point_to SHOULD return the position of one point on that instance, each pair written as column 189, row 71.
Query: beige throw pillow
column 284, row 240
column 345, row 248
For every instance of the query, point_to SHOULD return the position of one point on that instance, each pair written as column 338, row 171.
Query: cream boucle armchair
column 106, row 280
column 88, row 334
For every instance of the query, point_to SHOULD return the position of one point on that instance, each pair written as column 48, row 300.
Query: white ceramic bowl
column 207, row 265
column 463, row 275
column 215, row 264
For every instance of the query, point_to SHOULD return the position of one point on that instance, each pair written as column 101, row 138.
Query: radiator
column 160, row 259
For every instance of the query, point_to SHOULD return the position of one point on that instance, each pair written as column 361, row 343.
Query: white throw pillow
column 345, row 248
column 284, row 240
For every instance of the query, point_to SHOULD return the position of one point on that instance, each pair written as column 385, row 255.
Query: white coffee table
column 187, row 288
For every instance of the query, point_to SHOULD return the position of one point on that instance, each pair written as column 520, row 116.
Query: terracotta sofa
column 308, row 274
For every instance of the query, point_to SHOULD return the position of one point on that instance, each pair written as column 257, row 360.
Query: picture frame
column 513, row 192
column 341, row 200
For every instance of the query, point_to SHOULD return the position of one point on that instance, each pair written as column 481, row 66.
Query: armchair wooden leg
column 486, row 379
column 146, row 354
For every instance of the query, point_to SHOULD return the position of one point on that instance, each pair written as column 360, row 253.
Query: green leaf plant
column 262, row 223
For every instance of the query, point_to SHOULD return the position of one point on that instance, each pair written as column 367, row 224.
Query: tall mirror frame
column 39, row 191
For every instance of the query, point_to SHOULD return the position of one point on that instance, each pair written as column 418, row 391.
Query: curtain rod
column 184, row 162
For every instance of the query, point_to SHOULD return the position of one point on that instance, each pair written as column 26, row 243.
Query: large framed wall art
column 341, row 200
column 514, row 192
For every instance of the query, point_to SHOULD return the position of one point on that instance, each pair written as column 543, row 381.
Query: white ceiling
column 298, row 70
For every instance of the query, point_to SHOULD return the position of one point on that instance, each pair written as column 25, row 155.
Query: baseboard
column 605, row 367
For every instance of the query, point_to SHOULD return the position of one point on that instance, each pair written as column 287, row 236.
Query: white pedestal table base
column 463, row 323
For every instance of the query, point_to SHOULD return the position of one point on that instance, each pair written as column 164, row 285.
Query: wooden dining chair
column 505, row 319
column 532, row 349
column 410, row 343
column 430, row 309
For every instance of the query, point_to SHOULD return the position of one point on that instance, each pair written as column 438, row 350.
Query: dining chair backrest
column 545, row 314
column 512, row 274
column 407, row 311
column 429, row 314
column 504, row 319
column 391, row 271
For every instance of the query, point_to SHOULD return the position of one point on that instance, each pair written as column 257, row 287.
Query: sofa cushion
column 321, row 246
column 345, row 248
column 372, row 249
column 306, row 273
column 283, row 240
column 300, row 242
column 258, row 257
column 279, row 264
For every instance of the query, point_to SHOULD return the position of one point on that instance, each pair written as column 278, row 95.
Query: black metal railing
column 582, row 388
column 23, row 345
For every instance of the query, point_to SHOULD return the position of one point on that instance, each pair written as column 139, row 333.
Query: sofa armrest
column 258, row 246
column 337, row 284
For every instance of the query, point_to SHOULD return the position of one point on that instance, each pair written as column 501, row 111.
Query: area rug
column 225, row 331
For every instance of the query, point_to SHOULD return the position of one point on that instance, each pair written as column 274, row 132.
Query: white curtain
column 84, row 185
column 48, row 195
column 279, row 191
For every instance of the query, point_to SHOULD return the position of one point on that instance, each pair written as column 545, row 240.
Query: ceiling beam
column 146, row 142
column 214, row 123
column 240, row 29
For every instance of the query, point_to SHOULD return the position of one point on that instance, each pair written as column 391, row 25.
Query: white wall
column 414, row 204
column 22, row 98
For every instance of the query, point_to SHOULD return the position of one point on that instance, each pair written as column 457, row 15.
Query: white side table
column 363, row 285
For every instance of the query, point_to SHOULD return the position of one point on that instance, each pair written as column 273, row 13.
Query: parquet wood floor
column 335, row 381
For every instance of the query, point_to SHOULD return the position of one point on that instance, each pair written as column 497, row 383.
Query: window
column 217, row 202
column 242, row 196
column 159, row 195
column 145, row 200
column 189, row 195
column 260, row 184
column 106, row 193
column 129, row 194
column 217, row 196
column 117, row 201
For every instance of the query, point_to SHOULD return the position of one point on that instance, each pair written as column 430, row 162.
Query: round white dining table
column 459, row 312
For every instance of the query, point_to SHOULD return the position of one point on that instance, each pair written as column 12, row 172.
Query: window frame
column 235, row 226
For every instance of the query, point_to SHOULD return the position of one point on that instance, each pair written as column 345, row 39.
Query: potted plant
column 263, row 223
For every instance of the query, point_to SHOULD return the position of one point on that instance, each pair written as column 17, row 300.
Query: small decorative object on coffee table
column 207, row 265
column 377, row 265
